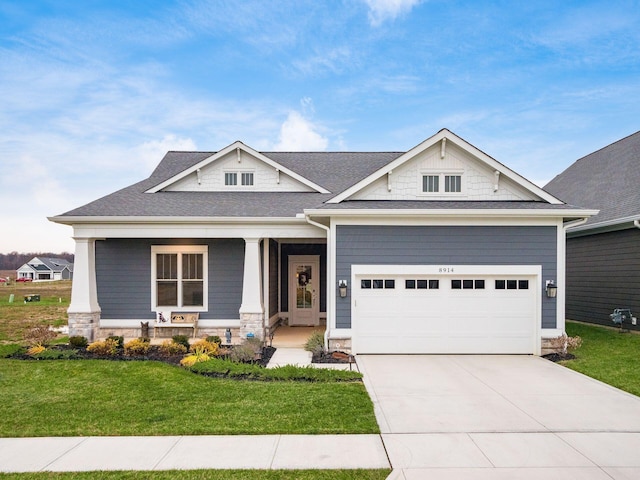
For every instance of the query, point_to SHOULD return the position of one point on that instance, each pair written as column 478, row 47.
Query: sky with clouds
column 93, row 93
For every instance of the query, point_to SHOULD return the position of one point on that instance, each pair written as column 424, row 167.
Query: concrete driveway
column 500, row 417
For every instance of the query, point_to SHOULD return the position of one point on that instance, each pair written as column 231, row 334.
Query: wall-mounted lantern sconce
column 342, row 287
column 227, row 335
column 552, row 289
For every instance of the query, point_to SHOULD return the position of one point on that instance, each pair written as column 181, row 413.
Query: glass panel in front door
column 304, row 288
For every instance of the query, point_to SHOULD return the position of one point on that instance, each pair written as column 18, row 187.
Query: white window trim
column 238, row 185
column 179, row 250
column 441, row 174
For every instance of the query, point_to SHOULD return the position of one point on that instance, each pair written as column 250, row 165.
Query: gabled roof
column 42, row 264
column 332, row 176
column 237, row 146
column 444, row 136
column 607, row 179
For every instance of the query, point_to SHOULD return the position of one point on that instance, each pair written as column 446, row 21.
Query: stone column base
column 252, row 323
column 84, row 325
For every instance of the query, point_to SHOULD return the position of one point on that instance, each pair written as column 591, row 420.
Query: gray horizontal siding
column 455, row 245
column 123, row 275
column 603, row 273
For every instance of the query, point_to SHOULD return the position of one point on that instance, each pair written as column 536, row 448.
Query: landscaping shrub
column 40, row 335
column 78, row 341
column 137, row 347
column 227, row 368
column 108, row 347
column 170, row 348
column 214, row 339
column 315, row 343
column 50, row 354
column 118, row 339
column 204, row 346
column 182, row 340
column 242, row 353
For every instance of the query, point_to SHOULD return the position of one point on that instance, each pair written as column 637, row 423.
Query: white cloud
column 299, row 134
column 382, row 10
column 150, row 153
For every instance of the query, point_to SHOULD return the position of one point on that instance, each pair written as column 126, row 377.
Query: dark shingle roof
column 606, row 180
column 335, row 171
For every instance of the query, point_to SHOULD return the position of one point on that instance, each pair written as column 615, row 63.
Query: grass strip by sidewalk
column 206, row 475
column 94, row 397
column 607, row 355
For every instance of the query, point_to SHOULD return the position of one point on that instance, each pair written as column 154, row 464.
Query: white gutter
column 487, row 212
column 329, row 280
column 73, row 220
column 636, row 223
column 575, row 223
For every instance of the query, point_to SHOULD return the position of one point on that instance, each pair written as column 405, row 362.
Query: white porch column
column 251, row 310
column 84, row 311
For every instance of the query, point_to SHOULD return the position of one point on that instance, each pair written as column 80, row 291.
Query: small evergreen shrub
column 214, row 339
column 170, row 348
column 182, row 340
column 107, row 348
column 137, row 347
column 78, row 341
column 315, row 343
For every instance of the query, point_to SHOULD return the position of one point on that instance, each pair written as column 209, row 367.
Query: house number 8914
column 445, row 270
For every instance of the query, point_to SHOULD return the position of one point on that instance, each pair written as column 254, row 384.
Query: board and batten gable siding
column 445, row 245
column 123, row 276
column 603, row 273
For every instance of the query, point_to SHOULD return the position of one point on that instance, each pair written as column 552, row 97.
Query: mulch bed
column 333, row 357
column 558, row 357
column 153, row 354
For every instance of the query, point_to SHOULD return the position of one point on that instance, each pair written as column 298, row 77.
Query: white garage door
column 408, row 309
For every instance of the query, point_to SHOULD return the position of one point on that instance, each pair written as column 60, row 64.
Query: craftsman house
column 603, row 254
column 440, row 249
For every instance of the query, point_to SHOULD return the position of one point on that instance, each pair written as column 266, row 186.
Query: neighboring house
column 603, row 255
column 440, row 249
column 41, row 268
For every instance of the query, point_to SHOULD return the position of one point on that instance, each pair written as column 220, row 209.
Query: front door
column 304, row 289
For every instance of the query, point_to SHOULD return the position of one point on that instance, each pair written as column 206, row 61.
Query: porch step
column 290, row 356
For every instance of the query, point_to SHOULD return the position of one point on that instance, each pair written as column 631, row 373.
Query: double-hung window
column 179, row 277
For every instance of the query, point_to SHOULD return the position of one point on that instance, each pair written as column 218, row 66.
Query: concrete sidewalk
column 264, row 452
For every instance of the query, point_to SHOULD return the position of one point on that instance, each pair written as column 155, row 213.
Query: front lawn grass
column 98, row 397
column 607, row 355
column 207, row 475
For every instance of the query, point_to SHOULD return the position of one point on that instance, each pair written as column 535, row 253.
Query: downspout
column 636, row 223
column 329, row 282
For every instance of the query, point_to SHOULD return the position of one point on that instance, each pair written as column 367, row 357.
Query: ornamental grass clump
column 35, row 350
column 198, row 355
column 137, row 347
column 40, row 335
column 107, row 348
column 565, row 344
column 315, row 343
